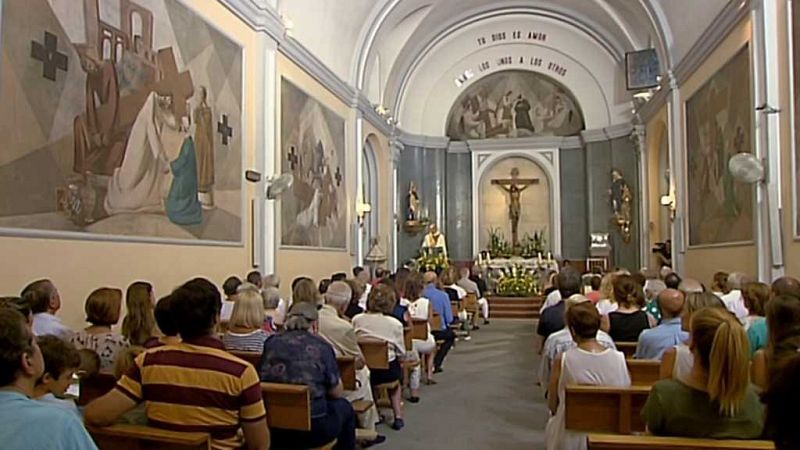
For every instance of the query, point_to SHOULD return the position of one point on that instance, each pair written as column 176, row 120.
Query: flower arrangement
column 531, row 246
column 431, row 261
column 498, row 245
column 518, row 281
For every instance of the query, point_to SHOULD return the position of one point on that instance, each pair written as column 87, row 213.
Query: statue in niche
column 621, row 199
column 413, row 203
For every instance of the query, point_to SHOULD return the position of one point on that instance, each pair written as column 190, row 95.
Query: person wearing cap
column 339, row 332
column 300, row 356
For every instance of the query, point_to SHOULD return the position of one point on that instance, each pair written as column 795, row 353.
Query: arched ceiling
column 377, row 45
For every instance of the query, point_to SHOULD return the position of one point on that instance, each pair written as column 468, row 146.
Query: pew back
column 347, row 372
column 604, row 409
column 288, row 406
column 643, row 372
column 376, row 353
column 419, row 329
column 617, row 442
column 136, row 437
column 253, row 358
column 628, row 348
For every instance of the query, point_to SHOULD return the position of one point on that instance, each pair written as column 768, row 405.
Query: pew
column 643, row 372
column 419, row 329
column 95, row 386
column 436, row 322
column 605, row 409
column 289, row 407
column 376, row 356
column 347, row 372
column 253, row 358
column 628, row 348
column 471, row 307
column 137, row 437
column 617, row 442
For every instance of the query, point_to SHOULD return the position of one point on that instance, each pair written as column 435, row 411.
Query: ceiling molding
column 258, row 15
column 722, row 25
column 367, row 111
column 417, row 140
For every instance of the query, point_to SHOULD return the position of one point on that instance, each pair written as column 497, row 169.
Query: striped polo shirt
column 196, row 386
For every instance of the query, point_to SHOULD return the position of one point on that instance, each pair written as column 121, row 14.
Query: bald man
column 786, row 286
column 655, row 341
column 440, row 303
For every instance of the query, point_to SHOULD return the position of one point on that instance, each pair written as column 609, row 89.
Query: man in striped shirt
column 194, row 385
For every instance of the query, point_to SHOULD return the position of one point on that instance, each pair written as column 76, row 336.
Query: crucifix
column 514, row 186
column 224, row 129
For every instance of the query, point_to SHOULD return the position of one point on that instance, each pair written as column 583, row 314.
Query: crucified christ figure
column 514, row 186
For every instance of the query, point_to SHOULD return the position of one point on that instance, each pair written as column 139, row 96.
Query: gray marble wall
column 426, row 168
column 459, row 206
column 574, row 204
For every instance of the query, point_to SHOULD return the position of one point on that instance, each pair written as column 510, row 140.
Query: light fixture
column 643, row 95
column 668, row 201
column 362, row 209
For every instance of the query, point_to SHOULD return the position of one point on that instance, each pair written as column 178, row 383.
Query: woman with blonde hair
column 139, row 324
column 102, row 312
column 245, row 332
column 717, row 400
column 607, row 304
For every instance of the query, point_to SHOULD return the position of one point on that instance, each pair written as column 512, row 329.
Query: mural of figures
column 313, row 211
column 719, row 124
column 514, row 103
column 120, row 118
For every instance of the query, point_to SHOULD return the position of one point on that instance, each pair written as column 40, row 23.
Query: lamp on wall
column 362, row 209
column 668, row 201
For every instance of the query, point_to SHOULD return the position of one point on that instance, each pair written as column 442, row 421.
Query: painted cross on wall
column 52, row 60
column 224, row 129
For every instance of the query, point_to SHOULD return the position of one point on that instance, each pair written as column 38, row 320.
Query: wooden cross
column 224, row 129
column 176, row 84
column 52, row 60
column 516, row 181
column 338, row 177
column 292, row 157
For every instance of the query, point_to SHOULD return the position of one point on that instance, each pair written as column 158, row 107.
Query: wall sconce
column 362, row 209
column 669, row 201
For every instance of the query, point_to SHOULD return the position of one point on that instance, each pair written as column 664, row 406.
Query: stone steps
column 514, row 308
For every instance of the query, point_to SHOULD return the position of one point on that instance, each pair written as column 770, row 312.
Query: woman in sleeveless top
column 588, row 364
column 420, row 309
column 629, row 320
column 677, row 362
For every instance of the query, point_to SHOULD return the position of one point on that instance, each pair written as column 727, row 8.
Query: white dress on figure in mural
column 140, row 184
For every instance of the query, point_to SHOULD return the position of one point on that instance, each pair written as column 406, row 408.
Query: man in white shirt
column 362, row 275
column 733, row 300
column 274, row 281
column 45, row 301
column 561, row 341
column 552, row 298
column 472, row 288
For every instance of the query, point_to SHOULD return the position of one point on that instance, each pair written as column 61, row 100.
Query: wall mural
column 796, row 81
column 313, row 211
column 719, row 124
column 514, row 103
column 120, row 118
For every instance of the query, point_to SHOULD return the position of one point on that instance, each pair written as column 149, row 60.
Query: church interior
column 546, row 200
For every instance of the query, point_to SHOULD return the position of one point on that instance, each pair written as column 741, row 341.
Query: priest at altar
column 434, row 240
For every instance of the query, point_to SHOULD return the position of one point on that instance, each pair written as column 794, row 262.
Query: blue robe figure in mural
column 182, row 205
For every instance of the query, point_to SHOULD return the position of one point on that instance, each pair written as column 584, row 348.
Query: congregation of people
column 729, row 354
column 175, row 359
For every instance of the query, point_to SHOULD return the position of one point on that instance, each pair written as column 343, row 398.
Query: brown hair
column 755, row 297
column 627, row 292
column 381, row 299
column 414, row 287
column 59, row 355
column 139, row 323
column 783, row 319
column 583, row 320
column 720, row 282
column 16, row 339
column 721, row 343
column 305, row 291
column 103, row 306
column 357, row 286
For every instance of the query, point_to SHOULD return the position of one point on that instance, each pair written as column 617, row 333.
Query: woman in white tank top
column 420, row 309
column 588, row 364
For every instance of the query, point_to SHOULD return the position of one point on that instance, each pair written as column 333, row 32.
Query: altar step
column 514, row 307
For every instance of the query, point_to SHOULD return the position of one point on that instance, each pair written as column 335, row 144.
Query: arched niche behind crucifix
column 514, row 191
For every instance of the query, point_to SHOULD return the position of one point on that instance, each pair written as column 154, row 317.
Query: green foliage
column 532, row 246
column 430, row 261
column 499, row 247
column 518, row 282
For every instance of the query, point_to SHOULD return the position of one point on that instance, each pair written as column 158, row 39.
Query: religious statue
column 514, row 186
column 204, row 149
column 413, row 203
column 434, row 240
column 621, row 198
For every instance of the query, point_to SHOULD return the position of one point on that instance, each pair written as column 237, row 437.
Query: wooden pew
column 436, row 322
column 137, row 437
column 376, row 353
column 253, row 358
column 419, row 329
column 347, row 372
column 604, row 409
column 289, row 407
column 471, row 307
column 643, row 372
column 617, row 442
column 95, row 386
column 628, row 348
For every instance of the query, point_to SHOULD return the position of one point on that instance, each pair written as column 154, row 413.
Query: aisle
column 486, row 398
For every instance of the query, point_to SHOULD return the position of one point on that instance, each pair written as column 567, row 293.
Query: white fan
column 276, row 185
column 746, row 168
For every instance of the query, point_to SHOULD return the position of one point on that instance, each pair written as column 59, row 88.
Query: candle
column 549, row 256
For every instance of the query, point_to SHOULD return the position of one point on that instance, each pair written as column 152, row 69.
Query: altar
column 531, row 270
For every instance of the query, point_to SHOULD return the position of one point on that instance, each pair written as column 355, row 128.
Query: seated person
column 167, row 324
column 245, row 332
column 420, row 308
column 755, row 297
column 561, row 341
column 19, row 304
column 594, row 294
column 677, row 362
column 655, row 341
column 61, row 361
column 590, row 363
column 472, row 288
column 222, row 397
column 45, row 301
column 552, row 318
column 781, row 400
column 103, row 307
column 440, row 304
column 299, row 356
column 378, row 324
column 783, row 320
column 27, row 423
column 717, row 400
column 125, row 361
column 271, row 301
column 629, row 320
column 358, row 288
column 229, row 288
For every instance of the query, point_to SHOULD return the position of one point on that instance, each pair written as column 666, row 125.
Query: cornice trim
column 417, row 140
column 727, row 19
column 258, row 15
